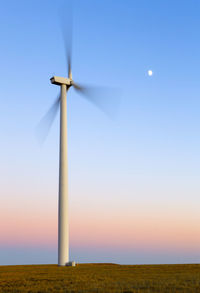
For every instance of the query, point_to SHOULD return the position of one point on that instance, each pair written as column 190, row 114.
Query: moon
column 150, row 72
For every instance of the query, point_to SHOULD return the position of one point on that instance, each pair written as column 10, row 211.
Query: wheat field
column 101, row 278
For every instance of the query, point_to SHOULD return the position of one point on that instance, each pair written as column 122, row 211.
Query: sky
column 134, row 180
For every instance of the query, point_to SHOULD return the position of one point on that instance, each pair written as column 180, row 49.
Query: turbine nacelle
column 61, row 80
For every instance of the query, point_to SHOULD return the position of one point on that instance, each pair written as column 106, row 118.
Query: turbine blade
column 106, row 99
column 67, row 29
column 46, row 122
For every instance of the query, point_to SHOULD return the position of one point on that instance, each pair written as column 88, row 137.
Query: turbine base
column 71, row 264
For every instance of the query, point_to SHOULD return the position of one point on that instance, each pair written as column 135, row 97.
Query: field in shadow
column 101, row 278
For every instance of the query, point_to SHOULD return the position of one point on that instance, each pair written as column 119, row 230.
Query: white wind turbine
column 61, row 101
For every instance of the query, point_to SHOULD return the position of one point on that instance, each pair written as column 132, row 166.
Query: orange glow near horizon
column 151, row 229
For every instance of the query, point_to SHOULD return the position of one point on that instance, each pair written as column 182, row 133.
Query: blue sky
column 147, row 157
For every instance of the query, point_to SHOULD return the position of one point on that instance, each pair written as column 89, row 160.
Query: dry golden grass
column 101, row 278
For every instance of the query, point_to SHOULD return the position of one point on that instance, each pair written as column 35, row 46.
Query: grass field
column 101, row 278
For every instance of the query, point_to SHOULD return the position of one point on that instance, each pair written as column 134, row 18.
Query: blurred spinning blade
column 105, row 98
column 46, row 122
column 67, row 32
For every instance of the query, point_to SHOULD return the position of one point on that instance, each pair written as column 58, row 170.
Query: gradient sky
column 134, row 182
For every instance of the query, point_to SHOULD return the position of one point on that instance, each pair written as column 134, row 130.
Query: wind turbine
column 65, row 83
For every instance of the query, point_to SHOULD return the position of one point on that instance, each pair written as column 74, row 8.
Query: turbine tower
column 63, row 221
column 63, row 225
